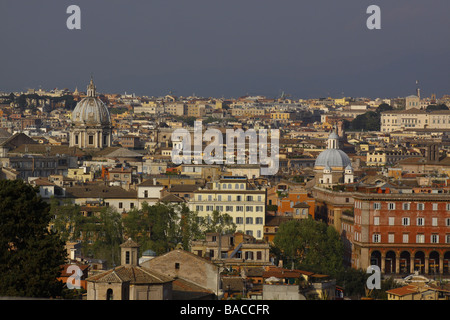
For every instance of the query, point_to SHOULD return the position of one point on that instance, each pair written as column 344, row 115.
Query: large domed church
column 333, row 166
column 91, row 122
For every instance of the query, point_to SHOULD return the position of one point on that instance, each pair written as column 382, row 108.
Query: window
column 249, row 220
column 377, row 206
column 434, row 221
column 405, row 221
column 120, row 205
column 249, row 208
column 239, row 208
column 391, row 221
column 391, row 206
column 238, row 198
column 420, row 206
column 209, row 197
column 376, row 221
column 405, row 238
column 91, row 139
column 406, row 206
column 239, row 220
column 435, row 206
column 448, row 206
column 391, row 237
column 199, row 198
column 258, row 255
column 219, row 197
column 447, row 222
column 131, row 205
column 420, row 221
column 146, row 194
column 127, row 257
column 177, row 266
column 420, row 238
column 259, row 220
column 447, row 238
column 434, row 238
column 249, row 198
column 376, row 238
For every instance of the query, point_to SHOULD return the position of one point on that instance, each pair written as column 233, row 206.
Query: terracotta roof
column 402, row 291
column 99, row 191
column 285, row 273
column 172, row 198
column 133, row 274
column 130, row 244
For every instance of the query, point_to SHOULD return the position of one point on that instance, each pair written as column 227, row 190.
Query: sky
column 210, row 48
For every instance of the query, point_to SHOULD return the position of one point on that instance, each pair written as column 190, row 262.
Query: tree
column 353, row 281
column 434, row 107
column 218, row 223
column 30, row 252
column 103, row 235
column 369, row 121
column 66, row 219
column 384, row 107
column 310, row 245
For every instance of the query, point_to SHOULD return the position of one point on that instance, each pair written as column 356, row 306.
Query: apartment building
column 402, row 233
column 237, row 197
column 414, row 119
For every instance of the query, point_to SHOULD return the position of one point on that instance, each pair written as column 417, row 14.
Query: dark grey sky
column 307, row 48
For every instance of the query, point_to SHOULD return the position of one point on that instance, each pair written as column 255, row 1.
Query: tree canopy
column 30, row 252
column 310, row 245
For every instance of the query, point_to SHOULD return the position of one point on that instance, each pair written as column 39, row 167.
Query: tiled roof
column 402, row 291
column 100, row 191
column 133, row 274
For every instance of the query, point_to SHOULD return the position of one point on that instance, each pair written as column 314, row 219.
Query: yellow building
column 234, row 196
column 80, row 174
column 280, row 116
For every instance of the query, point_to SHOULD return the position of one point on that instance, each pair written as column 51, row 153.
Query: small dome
column 332, row 158
column 91, row 110
column 333, row 135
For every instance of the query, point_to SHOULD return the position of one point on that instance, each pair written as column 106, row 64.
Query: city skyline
column 306, row 50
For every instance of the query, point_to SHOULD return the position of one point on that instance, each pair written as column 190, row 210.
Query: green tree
column 353, row 281
column 369, row 121
column 66, row 219
column 218, row 222
column 104, row 234
column 435, row 107
column 384, row 107
column 30, row 252
column 310, row 245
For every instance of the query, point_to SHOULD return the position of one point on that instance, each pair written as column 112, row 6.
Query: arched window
column 109, row 294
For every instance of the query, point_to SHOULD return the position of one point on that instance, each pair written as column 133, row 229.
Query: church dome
column 91, row 110
column 332, row 158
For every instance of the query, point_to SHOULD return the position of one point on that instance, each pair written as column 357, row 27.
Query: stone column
column 383, row 263
column 411, row 262
column 427, row 264
column 441, row 264
column 397, row 263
